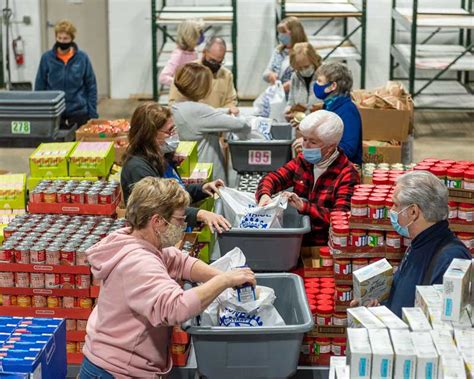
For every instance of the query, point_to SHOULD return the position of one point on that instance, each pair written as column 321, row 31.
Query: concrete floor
column 439, row 135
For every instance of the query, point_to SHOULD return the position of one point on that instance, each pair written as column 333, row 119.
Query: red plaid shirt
column 333, row 191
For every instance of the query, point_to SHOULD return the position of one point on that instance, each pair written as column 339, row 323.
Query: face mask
column 312, row 155
column 172, row 236
column 284, row 38
column 319, row 90
column 402, row 230
column 214, row 67
column 171, row 144
column 307, row 72
column 63, row 45
column 201, row 38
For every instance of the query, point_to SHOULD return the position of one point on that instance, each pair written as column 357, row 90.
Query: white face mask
column 171, row 144
column 307, row 72
column 172, row 236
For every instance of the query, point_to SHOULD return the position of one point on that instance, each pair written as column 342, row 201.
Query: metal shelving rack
column 426, row 64
column 166, row 16
column 337, row 47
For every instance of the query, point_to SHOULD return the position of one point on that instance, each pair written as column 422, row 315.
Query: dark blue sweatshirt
column 351, row 142
column 76, row 79
column 423, row 248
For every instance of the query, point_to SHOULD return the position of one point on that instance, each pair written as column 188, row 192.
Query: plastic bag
column 260, row 129
column 241, row 209
column 272, row 103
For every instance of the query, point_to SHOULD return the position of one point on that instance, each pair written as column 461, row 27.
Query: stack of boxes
column 12, row 197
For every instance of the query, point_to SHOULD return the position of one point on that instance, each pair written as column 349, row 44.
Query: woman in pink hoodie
column 190, row 35
column 128, row 332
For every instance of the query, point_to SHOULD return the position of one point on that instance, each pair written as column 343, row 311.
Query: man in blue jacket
column 66, row 68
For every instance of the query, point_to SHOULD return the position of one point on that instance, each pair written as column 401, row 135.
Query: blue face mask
column 402, row 230
column 284, row 38
column 319, row 90
column 312, row 155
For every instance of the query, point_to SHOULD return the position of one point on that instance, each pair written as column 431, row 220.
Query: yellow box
column 13, row 191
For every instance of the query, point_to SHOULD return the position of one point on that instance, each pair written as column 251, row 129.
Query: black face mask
column 64, row 45
column 214, row 67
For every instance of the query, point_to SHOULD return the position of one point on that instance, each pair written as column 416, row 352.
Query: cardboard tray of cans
column 73, row 313
column 461, row 195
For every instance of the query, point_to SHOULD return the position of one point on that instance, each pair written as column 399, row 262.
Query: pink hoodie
column 178, row 58
column 128, row 331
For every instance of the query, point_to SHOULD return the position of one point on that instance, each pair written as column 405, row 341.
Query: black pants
column 70, row 121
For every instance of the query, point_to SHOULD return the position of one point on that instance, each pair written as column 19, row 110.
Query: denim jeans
column 91, row 371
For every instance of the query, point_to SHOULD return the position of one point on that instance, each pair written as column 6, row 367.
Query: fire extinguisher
column 19, row 51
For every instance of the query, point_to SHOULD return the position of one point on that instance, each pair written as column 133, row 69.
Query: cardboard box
column 426, row 355
column 388, row 318
column 359, row 353
column 444, row 343
column 202, row 173
column 427, row 297
column 51, row 159
column 373, row 281
column 382, row 354
column 343, row 372
column 92, row 159
column 434, row 316
column 361, row 317
column 312, row 267
column 452, row 367
column 13, row 191
column 372, row 152
column 465, row 344
column 336, row 362
column 416, row 319
column 464, row 322
column 456, row 282
column 405, row 354
column 188, row 151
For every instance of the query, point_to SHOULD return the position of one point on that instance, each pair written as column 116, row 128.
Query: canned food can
column 105, row 197
column 95, row 282
column 71, row 325
column 6, row 254
column 39, row 301
column 49, row 196
column 64, row 196
column 22, row 254
column 67, row 256
column 69, row 302
column 85, row 302
column 81, row 325
column 37, row 255
column 91, row 197
column 9, row 300
column 52, row 280
column 81, row 257
column 83, row 281
column 53, row 255
column 24, row 301
column 80, row 346
column 22, row 279
column 77, row 196
column 7, row 279
column 67, row 281
column 71, row 347
column 53, row 302
column 37, row 280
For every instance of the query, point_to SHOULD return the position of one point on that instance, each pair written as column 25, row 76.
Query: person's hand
column 294, row 123
column 272, row 77
column 214, row 221
column 316, row 107
column 298, row 145
column 289, row 116
column 234, row 111
column 286, row 86
column 213, row 187
column 294, row 200
column 264, row 200
column 369, row 303
column 238, row 277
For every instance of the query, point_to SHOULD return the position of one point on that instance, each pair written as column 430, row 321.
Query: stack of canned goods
column 369, row 168
column 248, row 182
column 75, row 191
column 51, row 240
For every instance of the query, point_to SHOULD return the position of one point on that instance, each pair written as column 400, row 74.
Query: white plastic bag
column 260, row 129
column 260, row 312
column 241, row 209
column 272, row 103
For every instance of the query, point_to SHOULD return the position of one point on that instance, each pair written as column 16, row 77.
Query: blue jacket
column 416, row 262
column 351, row 142
column 76, row 79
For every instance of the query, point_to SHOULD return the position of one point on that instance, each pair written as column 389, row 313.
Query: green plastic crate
column 100, row 168
column 59, row 151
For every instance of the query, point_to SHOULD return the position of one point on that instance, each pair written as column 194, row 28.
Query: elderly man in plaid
column 322, row 176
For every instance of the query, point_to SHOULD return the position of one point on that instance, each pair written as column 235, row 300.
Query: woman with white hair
column 322, row 177
column 420, row 212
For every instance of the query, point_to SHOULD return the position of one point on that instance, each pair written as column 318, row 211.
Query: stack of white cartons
column 451, row 363
column 465, row 344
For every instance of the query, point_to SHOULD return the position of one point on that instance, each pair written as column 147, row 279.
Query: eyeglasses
column 169, row 132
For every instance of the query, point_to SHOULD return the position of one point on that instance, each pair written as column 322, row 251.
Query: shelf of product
column 75, row 197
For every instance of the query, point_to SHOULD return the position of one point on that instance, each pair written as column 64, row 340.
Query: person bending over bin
column 322, row 176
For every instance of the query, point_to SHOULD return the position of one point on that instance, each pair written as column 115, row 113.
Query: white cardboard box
column 428, row 297
column 416, row 319
column 456, row 282
column 389, row 319
column 464, row 322
column 444, row 343
column 343, row 372
column 373, row 281
column 359, row 353
column 335, row 362
column 451, row 367
column 361, row 317
column 426, row 355
column 405, row 354
column 382, row 354
column 434, row 316
column 465, row 343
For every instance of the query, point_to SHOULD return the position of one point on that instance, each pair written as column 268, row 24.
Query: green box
column 103, row 154
column 206, row 251
column 189, row 151
column 207, row 204
column 13, row 191
column 51, row 159
column 32, row 182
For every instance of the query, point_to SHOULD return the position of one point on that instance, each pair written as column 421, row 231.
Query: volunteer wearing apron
column 128, row 332
column 152, row 142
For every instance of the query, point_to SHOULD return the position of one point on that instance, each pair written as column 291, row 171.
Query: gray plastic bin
column 40, row 125
column 270, row 249
column 258, row 352
column 34, row 98
column 23, row 109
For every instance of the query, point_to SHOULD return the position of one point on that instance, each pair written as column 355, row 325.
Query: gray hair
column 426, row 191
column 215, row 40
column 327, row 126
column 340, row 74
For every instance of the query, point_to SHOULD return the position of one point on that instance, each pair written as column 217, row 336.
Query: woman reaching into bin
column 152, row 142
column 140, row 300
column 322, row 176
